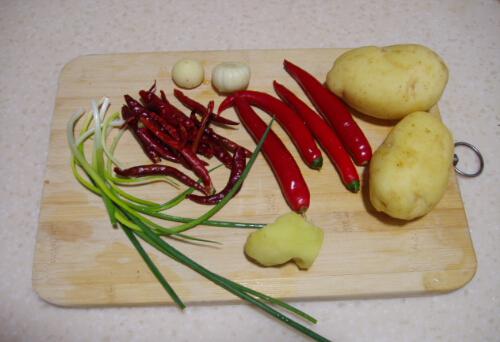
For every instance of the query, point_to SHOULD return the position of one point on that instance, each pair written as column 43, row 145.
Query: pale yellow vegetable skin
column 228, row 77
column 389, row 82
column 188, row 73
column 290, row 237
column 409, row 172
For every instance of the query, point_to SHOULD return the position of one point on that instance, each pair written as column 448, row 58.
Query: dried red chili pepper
column 164, row 124
column 206, row 150
column 203, row 125
column 156, row 170
column 155, row 128
column 222, row 155
column 166, row 109
column 280, row 160
column 197, row 165
column 223, row 141
column 287, row 118
column 167, row 127
column 178, row 114
column 131, row 120
column 335, row 111
column 200, row 109
column 227, row 143
column 238, row 166
column 325, row 135
column 152, row 143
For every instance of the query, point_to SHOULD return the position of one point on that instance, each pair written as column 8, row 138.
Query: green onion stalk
column 130, row 213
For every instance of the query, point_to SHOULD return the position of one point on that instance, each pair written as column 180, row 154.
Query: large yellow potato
column 409, row 172
column 389, row 82
column 290, row 237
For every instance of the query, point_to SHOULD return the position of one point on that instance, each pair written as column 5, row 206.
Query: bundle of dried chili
column 165, row 132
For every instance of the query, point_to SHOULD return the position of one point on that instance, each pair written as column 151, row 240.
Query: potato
column 389, row 82
column 290, row 237
column 409, row 172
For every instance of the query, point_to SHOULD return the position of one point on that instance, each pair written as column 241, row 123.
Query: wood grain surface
column 80, row 260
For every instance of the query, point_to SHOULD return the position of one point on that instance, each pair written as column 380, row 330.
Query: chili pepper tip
column 354, row 186
column 317, row 163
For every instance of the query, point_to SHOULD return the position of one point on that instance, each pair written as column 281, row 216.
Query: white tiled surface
column 38, row 37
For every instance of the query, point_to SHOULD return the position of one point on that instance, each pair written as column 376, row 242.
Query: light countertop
column 38, row 38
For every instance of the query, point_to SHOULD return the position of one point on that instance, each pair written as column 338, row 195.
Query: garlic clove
column 188, row 73
column 228, row 77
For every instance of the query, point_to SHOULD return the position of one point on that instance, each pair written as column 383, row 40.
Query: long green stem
column 133, row 223
column 98, row 154
column 126, row 222
column 215, row 209
column 223, row 282
column 153, row 267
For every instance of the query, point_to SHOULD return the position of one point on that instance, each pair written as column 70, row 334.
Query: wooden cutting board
column 81, row 260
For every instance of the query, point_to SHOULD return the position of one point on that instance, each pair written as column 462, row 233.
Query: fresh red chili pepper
column 335, row 111
column 238, row 166
column 280, row 160
column 200, row 109
column 287, row 118
column 325, row 135
column 155, row 170
column 197, row 165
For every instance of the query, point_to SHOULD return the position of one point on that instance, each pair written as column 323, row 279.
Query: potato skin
column 409, row 172
column 389, row 82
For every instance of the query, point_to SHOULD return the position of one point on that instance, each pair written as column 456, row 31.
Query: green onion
column 153, row 267
column 127, row 211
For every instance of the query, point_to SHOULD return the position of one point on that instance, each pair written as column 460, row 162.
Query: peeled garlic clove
column 188, row 73
column 228, row 77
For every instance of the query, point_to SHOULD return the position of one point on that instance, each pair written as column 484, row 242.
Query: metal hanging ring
column 478, row 154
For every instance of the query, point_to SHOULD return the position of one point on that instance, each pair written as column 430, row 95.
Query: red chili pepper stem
column 317, row 163
column 287, row 118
